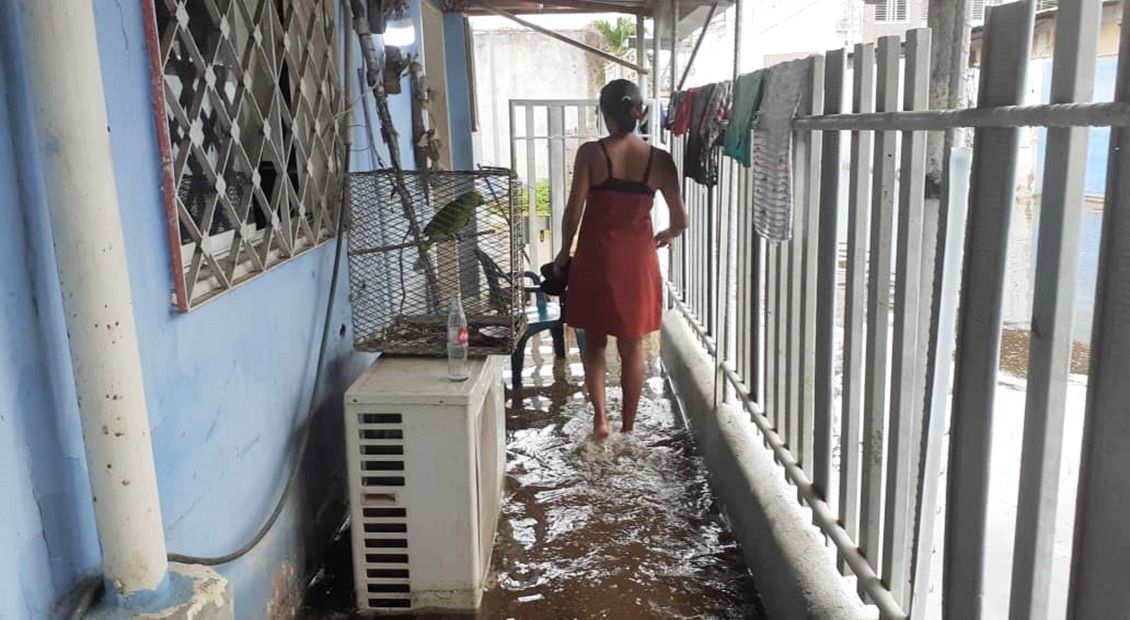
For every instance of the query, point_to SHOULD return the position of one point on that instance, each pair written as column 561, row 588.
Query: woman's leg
column 631, row 378
column 595, row 379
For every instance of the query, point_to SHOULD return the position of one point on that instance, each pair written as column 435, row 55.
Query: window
column 979, row 7
column 249, row 115
column 891, row 11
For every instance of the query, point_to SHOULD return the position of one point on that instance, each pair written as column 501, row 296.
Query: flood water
column 623, row 529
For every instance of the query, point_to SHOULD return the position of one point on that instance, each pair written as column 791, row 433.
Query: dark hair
column 619, row 100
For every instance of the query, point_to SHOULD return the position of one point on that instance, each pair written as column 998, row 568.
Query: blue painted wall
column 227, row 385
column 459, row 91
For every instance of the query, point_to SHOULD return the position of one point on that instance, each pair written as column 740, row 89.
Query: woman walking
column 615, row 287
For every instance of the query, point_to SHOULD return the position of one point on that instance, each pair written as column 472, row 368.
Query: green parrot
column 452, row 218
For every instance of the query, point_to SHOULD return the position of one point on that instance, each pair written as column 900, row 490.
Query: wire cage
column 416, row 239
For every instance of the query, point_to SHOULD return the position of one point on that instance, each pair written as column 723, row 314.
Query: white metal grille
column 249, row 105
column 383, row 582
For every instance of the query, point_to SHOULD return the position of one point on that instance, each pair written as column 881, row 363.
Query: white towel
column 773, row 149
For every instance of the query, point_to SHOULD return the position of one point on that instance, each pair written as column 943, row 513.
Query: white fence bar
column 826, row 268
column 794, row 318
column 855, row 291
column 727, row 240
column 712, row 253
column 823, row 516
column 1007, row 44
column 1061, row 210
column 879, row 309
column 755, row 326
column 558, row 177
column 810, row 243
column 902, row 464
column 706, row 274
column 696, row 272
column 934, row 424
column 780, row 350
column 1102, row 540
column 534, row 226
column 747, row 307
column 1105, row 114
column 772, row 393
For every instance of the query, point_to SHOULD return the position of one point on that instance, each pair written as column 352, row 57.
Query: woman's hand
column 560, row 263
column 664, row 237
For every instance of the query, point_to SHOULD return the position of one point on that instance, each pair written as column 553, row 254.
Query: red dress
column 614, row 282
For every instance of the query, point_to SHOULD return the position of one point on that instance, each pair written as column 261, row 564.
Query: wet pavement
column 623, row 529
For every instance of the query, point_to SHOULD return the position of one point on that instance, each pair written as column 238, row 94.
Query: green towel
column 747, row 101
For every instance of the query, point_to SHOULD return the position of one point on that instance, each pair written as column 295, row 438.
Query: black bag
column 550, row 283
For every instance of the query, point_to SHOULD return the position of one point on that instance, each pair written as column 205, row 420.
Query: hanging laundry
column 773, row 150
column 692, row 153
column 711, row 109
column 748, row 91
column 685, row 112
column 672, row 110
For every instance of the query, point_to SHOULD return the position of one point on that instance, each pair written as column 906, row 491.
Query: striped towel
column 773, row 149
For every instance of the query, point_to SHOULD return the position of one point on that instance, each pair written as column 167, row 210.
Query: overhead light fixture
column 400, row 32
column 399, row 35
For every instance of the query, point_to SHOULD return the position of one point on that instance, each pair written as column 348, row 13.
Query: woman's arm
column 669, row 186
column 575, row 207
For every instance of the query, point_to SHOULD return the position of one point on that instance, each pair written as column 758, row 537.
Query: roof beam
column 564, row 39
column 698, row 44
column 524, row 7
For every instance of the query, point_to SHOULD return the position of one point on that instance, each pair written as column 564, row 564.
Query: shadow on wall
column 50, row 540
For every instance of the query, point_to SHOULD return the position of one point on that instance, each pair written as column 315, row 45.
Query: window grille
column 891, row 11
column 249, row 109
column 980, row 7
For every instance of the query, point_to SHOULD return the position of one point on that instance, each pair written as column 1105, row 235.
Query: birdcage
column 416, row 239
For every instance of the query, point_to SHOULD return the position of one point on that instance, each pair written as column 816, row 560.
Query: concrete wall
column 227, row 385
column 522, row 64
column 794, row 571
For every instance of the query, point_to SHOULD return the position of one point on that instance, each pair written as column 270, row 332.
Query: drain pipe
column 74, row 142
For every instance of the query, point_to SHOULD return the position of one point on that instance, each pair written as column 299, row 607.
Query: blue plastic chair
column 543, row 315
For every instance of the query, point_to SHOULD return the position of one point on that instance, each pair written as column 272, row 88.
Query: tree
column 618, row 36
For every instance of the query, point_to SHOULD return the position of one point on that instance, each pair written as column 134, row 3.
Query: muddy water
column 625, row 529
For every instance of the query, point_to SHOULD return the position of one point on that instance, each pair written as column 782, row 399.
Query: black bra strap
column 647, row 171
column 606, row 157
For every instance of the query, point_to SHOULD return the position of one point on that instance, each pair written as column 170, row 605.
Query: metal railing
column 553, row 130
column 864, row 446
column 544, row 137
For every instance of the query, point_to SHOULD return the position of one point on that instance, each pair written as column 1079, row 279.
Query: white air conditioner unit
column 426, row 463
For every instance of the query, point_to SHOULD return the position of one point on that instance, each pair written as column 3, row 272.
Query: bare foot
column 600, row 430
column 626, row 429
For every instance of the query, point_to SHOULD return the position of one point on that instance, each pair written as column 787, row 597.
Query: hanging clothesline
column 750, row 120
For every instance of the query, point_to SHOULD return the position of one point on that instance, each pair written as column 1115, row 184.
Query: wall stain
column 284, row 594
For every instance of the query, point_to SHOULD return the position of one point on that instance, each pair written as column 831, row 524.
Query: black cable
column 89, row 592
column 304, row 440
